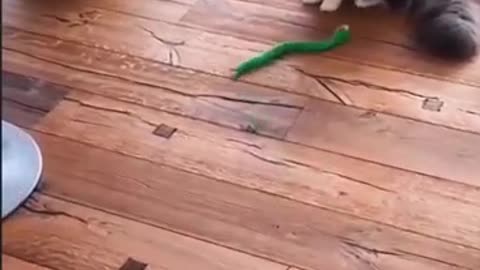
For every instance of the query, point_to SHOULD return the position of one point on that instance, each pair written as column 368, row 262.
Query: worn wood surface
column 83, row 238
column 361, row 158
column 12, row 263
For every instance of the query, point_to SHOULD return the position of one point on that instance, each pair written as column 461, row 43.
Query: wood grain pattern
column 56, row 234
column 397, row 93
column 132, row 264
column 388, row 47
column 11, row 263
column 384, row 139
column 187, row 93
column 19, row 114
column 285, row 169
column 276, row 228
column 363, row 158
column 26, row 100
column 31, row 92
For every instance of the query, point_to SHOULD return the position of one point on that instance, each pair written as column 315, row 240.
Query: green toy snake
column 340, row 37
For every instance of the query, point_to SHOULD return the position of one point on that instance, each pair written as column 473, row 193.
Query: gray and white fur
column 447, row 28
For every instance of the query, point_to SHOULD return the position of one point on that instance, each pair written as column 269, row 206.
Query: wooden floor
column 365, row 158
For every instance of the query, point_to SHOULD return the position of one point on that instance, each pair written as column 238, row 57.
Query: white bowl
column 21, row 167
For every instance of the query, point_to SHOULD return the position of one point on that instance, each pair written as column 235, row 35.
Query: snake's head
column 343, row 28
column 342, row 34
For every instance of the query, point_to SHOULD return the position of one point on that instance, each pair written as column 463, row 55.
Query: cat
column 332, row 5
column 445, row 28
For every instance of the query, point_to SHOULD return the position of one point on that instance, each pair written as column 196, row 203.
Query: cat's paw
column 326, row 5
column 330, row 5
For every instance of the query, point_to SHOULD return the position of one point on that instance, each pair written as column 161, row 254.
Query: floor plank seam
column 313, row 147
column 269, row 42
column 216, row 243
column 333, row 57
column 270, row 194
column 155, row 156
column 299, row 144
column 154, row 225
column 28, row 260
column 289, row 128
column 214, row 75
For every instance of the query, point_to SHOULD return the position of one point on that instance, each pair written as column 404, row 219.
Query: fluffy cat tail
column 450, row 31
column 446, row 28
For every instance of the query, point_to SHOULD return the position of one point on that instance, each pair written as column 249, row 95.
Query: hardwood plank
column 11, row 263
column 20, row 115
column 244, row 219
column 132, row 264
column 56, row 234
column 348, row 80
column 132, row 71
column 359, row 188
column 386, row 44
column 397, row 93
column 465, row 176
column 388, row 140
column 26, row 101
column 292, row 14
column 191, row 94
column 308, row 16
column 31, row 92
column 73, row 12
column 216, row 61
